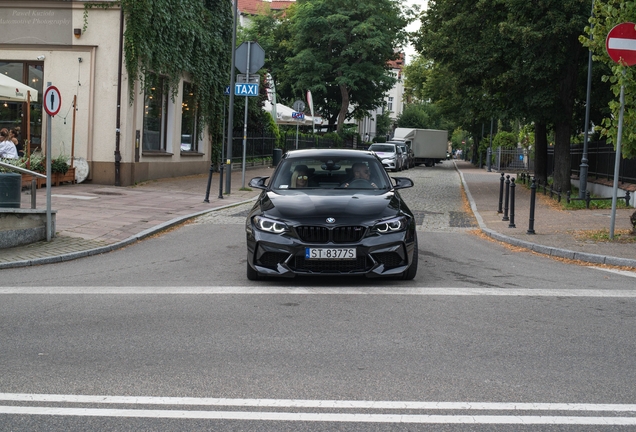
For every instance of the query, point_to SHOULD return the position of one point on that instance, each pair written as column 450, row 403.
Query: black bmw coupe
column 331, row 212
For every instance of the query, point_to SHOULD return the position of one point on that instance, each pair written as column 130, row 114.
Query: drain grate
column 461, row 220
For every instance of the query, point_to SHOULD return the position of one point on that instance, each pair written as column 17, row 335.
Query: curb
column 120, row 244
column 545, row 250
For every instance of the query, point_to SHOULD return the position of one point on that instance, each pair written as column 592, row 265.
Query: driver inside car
column 360, row 172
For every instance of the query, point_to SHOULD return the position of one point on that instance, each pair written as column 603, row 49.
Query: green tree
column 512, row 59
column 383, row 123
column 607, row 14
column 506, row 140
column 341, row 53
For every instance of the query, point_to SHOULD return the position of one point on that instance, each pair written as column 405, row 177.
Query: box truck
column 429, row 146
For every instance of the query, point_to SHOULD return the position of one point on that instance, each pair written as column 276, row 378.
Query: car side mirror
column 259, row 182
column 402, row 182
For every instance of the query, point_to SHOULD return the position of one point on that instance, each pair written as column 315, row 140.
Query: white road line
column 620, row 272
column 285, row 290
column 310, row 403
column 322, row 417
column 79, row 197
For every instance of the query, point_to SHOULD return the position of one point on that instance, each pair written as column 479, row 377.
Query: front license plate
column 330, row 253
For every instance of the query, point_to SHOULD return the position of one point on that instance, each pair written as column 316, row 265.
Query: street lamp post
column 489, row 152
column 583, row 168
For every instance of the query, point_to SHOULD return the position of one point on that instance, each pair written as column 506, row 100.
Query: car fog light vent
column 389, row 259
column 272, row 259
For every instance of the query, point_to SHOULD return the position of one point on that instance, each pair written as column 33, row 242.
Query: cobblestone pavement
column 436, row 199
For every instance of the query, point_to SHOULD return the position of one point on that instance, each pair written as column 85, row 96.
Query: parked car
column 390, row 154
column 335, row 223
column 408, row 160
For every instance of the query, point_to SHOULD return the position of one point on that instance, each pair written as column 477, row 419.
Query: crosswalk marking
column 321, row 406
column 287, row 290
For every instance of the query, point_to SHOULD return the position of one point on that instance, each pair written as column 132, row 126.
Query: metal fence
column 601, row 159
column 511, row 159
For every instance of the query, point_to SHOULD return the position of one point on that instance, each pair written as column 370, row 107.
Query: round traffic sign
column 299, row 105
column 52, row 100
column 621, row 44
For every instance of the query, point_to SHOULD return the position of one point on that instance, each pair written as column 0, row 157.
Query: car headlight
column 270, row 225
column 390, row 225
column 389, row 159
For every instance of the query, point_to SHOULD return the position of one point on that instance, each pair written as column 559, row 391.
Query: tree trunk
column 540, row 152
column 562, row 158
column 344, row 108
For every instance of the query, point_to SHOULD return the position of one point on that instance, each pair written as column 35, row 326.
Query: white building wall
column 94, row 81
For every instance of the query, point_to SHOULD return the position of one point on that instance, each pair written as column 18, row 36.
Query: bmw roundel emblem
column 331, row 220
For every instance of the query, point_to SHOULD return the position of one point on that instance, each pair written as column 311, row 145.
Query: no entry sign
column 621, row 44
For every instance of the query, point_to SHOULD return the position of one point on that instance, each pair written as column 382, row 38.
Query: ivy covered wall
column 173, row 37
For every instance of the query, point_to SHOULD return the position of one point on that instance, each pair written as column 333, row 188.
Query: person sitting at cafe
column 7, row 148
column 13, row 136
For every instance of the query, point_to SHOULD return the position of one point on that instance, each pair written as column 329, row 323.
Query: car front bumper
column 284, row 256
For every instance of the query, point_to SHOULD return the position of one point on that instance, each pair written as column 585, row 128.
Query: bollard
column 207, row 189
column 533, row 193
column 34, row 185
column 627, row 196
column 588, row 199
column 512, row 205
column 220, row 180
column 505, row 217
column 551, row 190
column 501, row 189
column 559, row 194
column 568, row 194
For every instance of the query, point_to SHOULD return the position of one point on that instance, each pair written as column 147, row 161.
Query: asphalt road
column 169, row 335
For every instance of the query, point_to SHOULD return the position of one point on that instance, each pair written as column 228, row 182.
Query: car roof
column 340, row 153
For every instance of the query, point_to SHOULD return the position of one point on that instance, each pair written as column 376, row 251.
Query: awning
column 284, row 115
column 14, row 91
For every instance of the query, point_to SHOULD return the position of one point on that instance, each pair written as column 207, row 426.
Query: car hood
column 315, row 208
column 385, row 154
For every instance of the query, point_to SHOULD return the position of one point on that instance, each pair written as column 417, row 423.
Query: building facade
column 46, row 42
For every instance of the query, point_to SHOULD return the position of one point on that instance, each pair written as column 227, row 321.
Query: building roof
column 398, row 63
column 252, row 7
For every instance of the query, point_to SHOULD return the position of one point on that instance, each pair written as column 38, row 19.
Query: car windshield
column 330, row 173
column 384, row 148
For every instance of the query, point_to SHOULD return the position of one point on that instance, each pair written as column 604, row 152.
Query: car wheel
column 412, row 270
column 252, row 274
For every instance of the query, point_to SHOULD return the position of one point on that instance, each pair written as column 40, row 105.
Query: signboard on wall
column 37, row 25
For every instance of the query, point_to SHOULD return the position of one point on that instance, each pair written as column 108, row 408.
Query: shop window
column 13, row 114
column 155, row 114
column 189, row 126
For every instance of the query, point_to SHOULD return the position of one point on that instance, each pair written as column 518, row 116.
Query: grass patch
column 575, row 203
column 620, row 236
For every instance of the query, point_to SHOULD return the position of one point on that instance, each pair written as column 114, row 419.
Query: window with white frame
column 155, row 114
column 189, row 126
column 390, row 104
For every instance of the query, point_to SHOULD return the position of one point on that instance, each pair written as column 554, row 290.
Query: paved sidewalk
column 94, row 219
column 558, row 232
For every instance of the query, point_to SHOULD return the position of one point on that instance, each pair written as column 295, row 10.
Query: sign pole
column 620, row 45
column 247, row 76
column 617, row 162
column 49, row 222
column 51, row 102
column 230, row 121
